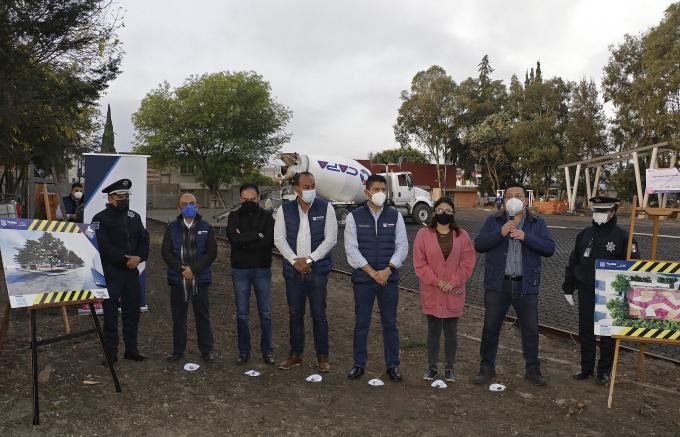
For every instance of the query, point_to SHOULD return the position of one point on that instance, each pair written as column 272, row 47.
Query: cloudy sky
column 340, row 65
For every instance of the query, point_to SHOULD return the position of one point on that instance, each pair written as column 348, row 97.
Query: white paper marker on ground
column 438, row 384
column 190, row 367
column 496, row 387
column 252, row 373
column 376, row 382
column 314, row 378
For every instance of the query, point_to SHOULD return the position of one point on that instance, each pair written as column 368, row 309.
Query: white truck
column 341, row 181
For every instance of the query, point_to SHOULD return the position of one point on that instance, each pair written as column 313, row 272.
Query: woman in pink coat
column 443, row 258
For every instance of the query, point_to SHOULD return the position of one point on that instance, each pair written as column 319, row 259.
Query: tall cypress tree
column 107, row 138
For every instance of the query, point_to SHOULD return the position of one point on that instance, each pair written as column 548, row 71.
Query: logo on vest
column 202, row 232
column 388, row 225
column 319, row 217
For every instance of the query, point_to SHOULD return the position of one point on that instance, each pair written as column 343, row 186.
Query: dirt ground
column 162, row 399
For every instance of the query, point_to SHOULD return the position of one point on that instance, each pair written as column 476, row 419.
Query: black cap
column 604, row 202
column 121, row 186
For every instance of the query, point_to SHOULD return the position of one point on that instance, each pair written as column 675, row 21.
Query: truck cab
column 410, row 200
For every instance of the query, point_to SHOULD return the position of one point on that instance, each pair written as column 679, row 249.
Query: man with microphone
column 514, row 240
column 602, row 240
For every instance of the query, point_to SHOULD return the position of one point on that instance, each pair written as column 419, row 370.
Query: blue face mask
column 189, row 211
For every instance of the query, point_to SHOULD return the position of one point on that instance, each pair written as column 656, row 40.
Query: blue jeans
column 496, row 305
column 388, row 300
column 261, row 280
column 298, row 289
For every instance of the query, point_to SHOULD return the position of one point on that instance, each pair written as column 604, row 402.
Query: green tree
column 642, row 80
column 46, row 250
column 225, row 123
column 398, row 155
column 428, row 117
column 488, row 142
column 107, row 138
column 585, row 133
column 56, row 59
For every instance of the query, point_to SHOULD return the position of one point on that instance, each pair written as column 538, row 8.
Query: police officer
column 602, row 240
column 123, row 245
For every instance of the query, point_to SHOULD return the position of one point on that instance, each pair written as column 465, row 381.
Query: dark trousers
column 388, row 300
column 179, row 309
column 435, row 325
column 124, row 292
column 244, row 281
column 298, row 290
column 586, row 328
column 496, row 305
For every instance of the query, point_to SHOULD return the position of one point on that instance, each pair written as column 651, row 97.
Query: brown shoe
column 292, row 361
column 324, row 365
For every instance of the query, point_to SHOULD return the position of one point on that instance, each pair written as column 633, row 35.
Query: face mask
column 308, row 196
column 122, row 205
column 189, row 211
column 78, row 195
column 514, row 206
column 443, row 218
column 248, row 206
column 600, row 217
column 378, row 198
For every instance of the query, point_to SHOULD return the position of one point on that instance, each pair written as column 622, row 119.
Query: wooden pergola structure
column 612, row 158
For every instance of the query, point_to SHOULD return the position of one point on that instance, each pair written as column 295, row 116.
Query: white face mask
column 600, row 217
column 308, row 196
column 78, row 195
column 378, row 199
column 514, row 206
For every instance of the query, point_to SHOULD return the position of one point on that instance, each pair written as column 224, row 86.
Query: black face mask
column 444, row 219
column 249, row 206
column 122, row 205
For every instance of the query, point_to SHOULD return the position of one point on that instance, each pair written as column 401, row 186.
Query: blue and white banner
column 101, row 170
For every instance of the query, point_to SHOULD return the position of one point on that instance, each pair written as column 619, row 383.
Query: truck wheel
column 341, row 216
column 422, row 214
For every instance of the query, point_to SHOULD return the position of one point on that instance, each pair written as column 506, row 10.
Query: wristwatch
column 309, row 260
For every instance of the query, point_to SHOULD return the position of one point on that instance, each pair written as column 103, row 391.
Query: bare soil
column 160, row 398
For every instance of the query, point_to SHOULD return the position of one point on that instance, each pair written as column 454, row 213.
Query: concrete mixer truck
column 341, row 181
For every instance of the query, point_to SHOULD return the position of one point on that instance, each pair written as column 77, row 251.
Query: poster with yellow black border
column 638, row 299
column 50, row 262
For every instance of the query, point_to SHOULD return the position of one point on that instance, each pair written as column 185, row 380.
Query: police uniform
column 121, row 233
column 602, row 240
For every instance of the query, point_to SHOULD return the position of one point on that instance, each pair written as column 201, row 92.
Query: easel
column 655, row 214
column 35, row 343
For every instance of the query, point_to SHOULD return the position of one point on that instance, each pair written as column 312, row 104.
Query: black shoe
column 430, row 374
column 603, row 379
column 484, row 376
column 355, row 373
column 134, row 356
column 174, row 356
column 242, row 359
column 268, row 359
column 450, row 375
column 209, row 357
column 583, row 375
column 393, row 373
column 534, row 375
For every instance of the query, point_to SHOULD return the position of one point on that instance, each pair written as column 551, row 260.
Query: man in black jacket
column 189, row 249
column 602, row 240
column 250, row 230
column 123, row 244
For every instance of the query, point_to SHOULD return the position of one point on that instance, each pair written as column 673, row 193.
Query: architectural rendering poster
column 49, row 262
column 638, row 298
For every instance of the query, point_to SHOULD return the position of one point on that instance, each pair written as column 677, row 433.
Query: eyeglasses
column 443, row 211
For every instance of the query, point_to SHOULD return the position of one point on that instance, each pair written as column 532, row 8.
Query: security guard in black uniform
column 602, row 240
column 123, row 244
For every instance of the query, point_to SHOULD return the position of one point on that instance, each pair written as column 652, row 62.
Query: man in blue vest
column 514, row 240
column 73, row 201
column 189, row 249
column 305, row 231
column 376, row 246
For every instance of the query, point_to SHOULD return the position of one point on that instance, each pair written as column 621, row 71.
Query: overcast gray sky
column 340, row 65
